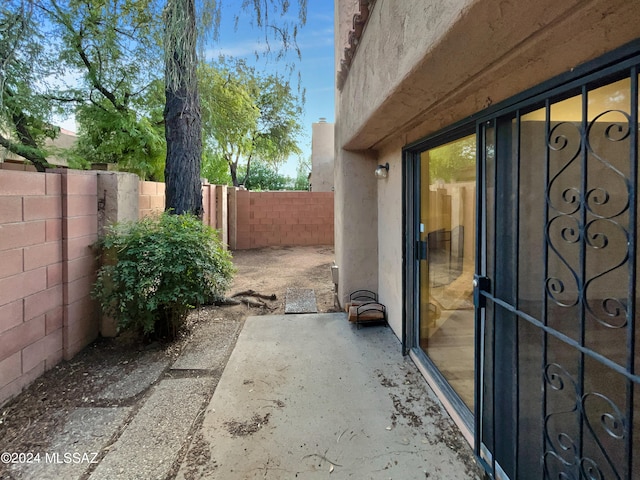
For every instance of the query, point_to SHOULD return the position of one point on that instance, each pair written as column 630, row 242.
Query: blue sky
column 316, row 66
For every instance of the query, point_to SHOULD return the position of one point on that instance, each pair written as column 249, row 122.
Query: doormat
column 300, row 300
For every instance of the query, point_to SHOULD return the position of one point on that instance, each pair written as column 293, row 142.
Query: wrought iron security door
column 558, row 392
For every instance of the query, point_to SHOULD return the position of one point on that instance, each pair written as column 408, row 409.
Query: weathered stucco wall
column 356, row 215
column 397, row 38
column 322, row 156
column 390, row 237
column 356, row 223
column 344, row 11
column 423, row 65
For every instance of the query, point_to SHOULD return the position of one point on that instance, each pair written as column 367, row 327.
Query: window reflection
column 448, row 205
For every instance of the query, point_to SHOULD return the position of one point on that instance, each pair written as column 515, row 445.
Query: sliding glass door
column 447, row 206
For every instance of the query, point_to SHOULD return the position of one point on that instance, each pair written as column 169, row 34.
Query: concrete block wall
column 79, row 265
column 222, row 213
column 235, row 242
column 118, row 198
column 215, row 208
column 48, row 223
column 31, row 310
column 281, row 218
column 209, row 204
column 151, row 200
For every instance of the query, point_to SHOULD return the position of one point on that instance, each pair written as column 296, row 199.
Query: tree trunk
column 182, row 112
column 184, row 152
column 246, row 177
column 233, row 170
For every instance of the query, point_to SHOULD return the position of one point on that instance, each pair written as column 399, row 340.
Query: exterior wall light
column 382, row 171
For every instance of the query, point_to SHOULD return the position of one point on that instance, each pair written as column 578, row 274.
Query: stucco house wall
column 390, row 236
column 64, row 141
column 421, row 66
column 322, row 156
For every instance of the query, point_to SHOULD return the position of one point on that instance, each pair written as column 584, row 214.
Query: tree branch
column 78, row 37
column 96, row 103
column 64, row 99
column 31, row 154
column 246, row 176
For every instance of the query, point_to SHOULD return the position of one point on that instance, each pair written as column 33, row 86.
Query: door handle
column 421, row 250
column 480, row 284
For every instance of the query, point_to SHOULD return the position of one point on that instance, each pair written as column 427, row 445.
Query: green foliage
column 115, row 51
column 24, row 109
column 215, row 168
column 247, row 115
column 454, row 162
column 114, row 45
column 157, row 269
column 109, row 136
column 265, row 177
column 112, row 50
column 302, row 174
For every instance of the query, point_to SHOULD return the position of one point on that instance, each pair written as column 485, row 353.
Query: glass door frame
column 411, row 260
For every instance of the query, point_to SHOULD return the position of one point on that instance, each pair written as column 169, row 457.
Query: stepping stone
column 154, row 439
column 300, row 300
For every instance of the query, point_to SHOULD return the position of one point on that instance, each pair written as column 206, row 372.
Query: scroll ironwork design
column 593, row 220
column 562, row 456
column 612, row 310
column 587, row 237
column 565, row 139
column 562, row 447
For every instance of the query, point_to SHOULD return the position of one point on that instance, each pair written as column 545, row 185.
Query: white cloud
column 241, row 49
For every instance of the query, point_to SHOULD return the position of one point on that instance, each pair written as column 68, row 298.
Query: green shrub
column 157, row 269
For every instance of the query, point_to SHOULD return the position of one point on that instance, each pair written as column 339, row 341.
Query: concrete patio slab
column 310, row 396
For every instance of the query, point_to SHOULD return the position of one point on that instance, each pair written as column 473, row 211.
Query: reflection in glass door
column 447, row 239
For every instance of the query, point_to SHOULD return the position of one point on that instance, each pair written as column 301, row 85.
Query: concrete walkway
column 310, row 396
column 140, row 426
column 302, row 396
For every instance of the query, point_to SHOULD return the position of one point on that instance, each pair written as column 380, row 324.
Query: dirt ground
column 30, row 421
column 273, row 270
